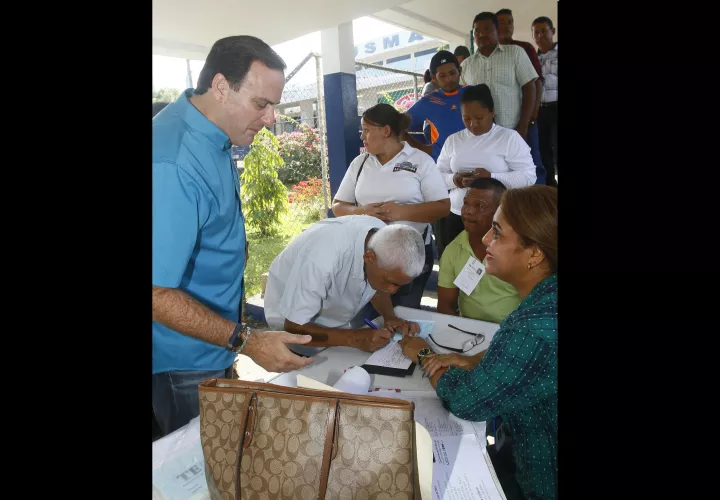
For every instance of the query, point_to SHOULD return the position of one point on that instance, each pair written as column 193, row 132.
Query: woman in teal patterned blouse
column 516, row 378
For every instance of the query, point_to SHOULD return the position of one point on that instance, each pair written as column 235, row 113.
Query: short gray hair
column 399, row 246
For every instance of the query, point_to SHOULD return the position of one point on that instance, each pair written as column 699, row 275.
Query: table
column 178, row 462
column 329, row 364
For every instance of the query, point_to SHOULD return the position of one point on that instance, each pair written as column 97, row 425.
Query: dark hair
column 442, row 57
column 533, row 213
column 232, row 57
column 158, row 106
column 383, row 114
column 542, row 19
column 490, row 184
column 484, row 16
column 478, row 93
column 503, row 12
column 427, row 77
column 461, row 50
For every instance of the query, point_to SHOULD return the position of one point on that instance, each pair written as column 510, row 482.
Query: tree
column 264, row 196
column 165, row 95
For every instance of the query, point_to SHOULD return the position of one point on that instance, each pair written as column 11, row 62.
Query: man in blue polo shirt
column 199, row 247
column 441, row 109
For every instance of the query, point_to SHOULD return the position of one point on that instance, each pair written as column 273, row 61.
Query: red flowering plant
column 307, row 196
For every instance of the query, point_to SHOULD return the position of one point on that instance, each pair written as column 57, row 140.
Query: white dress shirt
column 501, row 151
column 505, row 71
column 549, row 63
column 320, row 276
column 411, row 177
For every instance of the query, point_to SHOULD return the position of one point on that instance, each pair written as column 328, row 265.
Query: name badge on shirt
column 406, row 165
column 470, row 275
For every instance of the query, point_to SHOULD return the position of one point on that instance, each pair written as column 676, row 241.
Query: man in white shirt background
column 328, row 273
column 543, row 33
column 506, row 69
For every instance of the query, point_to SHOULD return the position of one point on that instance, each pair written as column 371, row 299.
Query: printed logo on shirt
column 406, row 165
column 453, row 107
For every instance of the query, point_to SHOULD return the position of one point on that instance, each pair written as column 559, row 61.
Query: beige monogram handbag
column 264, row 442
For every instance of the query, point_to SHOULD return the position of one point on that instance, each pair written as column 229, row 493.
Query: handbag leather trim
column 241, row 444
column 221, row 385
column 329, row 439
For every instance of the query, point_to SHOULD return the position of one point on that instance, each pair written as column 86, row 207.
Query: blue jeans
column 533, row 140
column 175, row 396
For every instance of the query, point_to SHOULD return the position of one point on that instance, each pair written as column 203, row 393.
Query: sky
column 170, row 72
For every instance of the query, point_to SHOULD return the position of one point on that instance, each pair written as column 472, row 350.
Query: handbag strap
column 358, row 175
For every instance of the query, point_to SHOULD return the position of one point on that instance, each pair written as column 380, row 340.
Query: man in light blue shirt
column 199, row 246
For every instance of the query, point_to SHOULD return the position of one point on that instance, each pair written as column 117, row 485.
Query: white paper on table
column 430, row 413
column 390, row 356
column 470, row 276
column 426, row 328
column 355, row 380
column 458, row 472
column 179, row 465
column 308, row 383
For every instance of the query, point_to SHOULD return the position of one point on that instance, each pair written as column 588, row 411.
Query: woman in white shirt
column 395, row 183
column 483, row 149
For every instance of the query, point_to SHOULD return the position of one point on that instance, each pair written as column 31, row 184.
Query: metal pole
column 416, row 88
column 188, row 82
column 389, row 70
column 321, row 125
column 298, row 67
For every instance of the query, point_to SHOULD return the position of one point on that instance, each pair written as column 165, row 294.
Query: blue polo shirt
column 442, row 111
column 198, row 229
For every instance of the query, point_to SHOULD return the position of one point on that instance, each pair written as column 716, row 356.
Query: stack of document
column 462, row 469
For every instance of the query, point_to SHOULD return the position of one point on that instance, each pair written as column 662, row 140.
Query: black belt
column 544, row 104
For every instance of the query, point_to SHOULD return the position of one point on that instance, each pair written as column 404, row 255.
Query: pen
column 371, row 324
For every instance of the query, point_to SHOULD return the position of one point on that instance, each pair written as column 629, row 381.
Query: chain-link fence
column 376, row 84
column 300, row 121
column 300, row 124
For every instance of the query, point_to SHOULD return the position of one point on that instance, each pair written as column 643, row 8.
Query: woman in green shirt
column 516, row 378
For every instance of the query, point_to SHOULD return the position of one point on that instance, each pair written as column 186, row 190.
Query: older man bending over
column 328, row 273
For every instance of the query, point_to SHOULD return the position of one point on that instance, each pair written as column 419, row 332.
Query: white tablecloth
column 329, row 365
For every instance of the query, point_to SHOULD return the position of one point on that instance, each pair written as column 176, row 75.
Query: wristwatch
column 236, row 342
column 425, row 351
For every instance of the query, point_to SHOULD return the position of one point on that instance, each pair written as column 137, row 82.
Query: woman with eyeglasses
column 396, row 183
column 516, row 378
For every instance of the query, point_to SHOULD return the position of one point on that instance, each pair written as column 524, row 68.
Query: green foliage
column 165, row 95
column 307, row 198
column 264, row 249
column 300, row 150
column 264, row 196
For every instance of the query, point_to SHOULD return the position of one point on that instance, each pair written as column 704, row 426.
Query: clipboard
column 391, row 372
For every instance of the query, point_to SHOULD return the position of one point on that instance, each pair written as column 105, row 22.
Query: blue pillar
column 341, row 109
